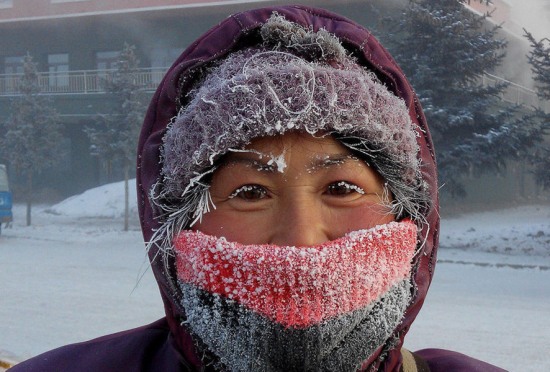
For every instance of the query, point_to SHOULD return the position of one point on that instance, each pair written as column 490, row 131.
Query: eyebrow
column 321, row 162
column 328, row 161
column 260, row 163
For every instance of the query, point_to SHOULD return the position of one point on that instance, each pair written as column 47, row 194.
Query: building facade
column 76, row 42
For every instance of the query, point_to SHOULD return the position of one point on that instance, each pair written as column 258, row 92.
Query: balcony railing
column 78, row 82
column 93, row 81
column 517, row 94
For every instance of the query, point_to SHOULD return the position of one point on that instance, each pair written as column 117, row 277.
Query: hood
column 235, row 33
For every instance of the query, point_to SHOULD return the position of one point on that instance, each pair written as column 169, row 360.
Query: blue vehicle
column 6, row 215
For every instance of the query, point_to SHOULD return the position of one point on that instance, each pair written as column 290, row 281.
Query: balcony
column 93, row 82
column 78, row 82
column 516, row 94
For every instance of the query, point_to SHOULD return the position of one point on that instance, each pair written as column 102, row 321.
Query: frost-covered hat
column 295, row 80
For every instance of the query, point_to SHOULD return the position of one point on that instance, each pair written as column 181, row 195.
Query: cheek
column 359, row 218
column 245, row 228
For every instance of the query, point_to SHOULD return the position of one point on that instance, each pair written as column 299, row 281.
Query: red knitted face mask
column 300, row 302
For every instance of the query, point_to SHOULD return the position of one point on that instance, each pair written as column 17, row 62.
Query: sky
column 534, row 15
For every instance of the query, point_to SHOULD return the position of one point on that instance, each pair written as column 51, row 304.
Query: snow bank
column 520, row 231
column 105, row 201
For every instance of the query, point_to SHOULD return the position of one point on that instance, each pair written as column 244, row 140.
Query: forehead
column 290, row 152
column 293, row 144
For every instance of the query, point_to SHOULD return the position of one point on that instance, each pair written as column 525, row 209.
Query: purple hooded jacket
column 165, row 345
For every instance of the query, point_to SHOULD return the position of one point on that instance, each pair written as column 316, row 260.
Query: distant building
column 75, row 43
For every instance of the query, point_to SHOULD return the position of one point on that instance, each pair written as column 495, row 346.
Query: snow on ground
column 75, row 275
column 100, row 202
column 522, row 231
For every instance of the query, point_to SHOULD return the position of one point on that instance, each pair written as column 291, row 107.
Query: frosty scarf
column 272, row 308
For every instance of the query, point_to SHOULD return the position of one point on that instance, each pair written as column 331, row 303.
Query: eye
column 342, row 188
column 249, row 193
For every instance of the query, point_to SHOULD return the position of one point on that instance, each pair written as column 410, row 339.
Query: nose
column 300, row 223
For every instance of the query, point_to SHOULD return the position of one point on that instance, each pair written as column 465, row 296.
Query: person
column 287, row 191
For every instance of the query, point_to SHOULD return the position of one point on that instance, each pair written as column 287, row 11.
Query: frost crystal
column 319, row 308
column 300, row 286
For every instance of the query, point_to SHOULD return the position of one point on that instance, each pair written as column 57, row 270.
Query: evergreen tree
column 539, row 59
column 444, row 50
column 32, row 134
column 115, row 138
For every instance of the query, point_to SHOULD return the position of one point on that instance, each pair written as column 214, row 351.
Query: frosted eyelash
column 351, row 186
column 240, row 189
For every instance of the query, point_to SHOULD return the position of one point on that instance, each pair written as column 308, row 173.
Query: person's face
column 294, row 190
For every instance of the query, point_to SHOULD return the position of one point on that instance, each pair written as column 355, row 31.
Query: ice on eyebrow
column 322, row 161
column 277, row 162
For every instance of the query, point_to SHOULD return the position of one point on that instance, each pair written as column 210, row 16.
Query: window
column 58, row 71
column 65, row 160
column 12, row 67
column 161, row 59
column 4, row 4
column 106, row 60
column 164, row 57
